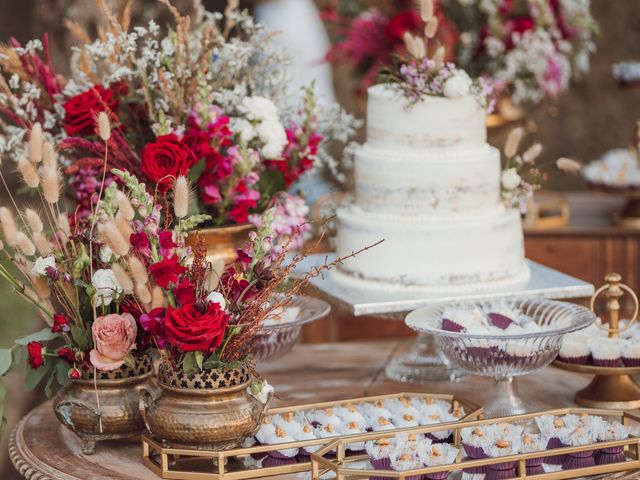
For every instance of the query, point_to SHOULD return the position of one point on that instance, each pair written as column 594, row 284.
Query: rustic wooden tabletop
column 41, row 449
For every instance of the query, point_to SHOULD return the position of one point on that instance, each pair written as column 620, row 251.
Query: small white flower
column 510, row 179
column 274, row 136
column 217, row 297
column 260, row 108
column 458, row 85
column 261, row 391
column 106, row 285
column 106, row 254
column 42, row 265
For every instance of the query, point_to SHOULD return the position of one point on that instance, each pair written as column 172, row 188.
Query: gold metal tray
column 190, row 464
column 342, row 466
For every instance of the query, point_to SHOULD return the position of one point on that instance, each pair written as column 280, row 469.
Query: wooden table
column 41, row 449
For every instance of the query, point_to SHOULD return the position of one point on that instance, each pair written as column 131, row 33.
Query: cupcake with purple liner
column 429, row 407
column 502, row 447
column 517, row 351
column 281, row 436
column 381, row 425
column 574, row 350
column 266, row 430
column 533, row 443
column 379, row 452
column 403, row 420
column 373, row 411
column 553, row 428
column 631, row 353
column 306, row 433
column 474, row 440
column 612, row 431
column 402, row 460
column 349, row 413
column 435, row 455
column 326, row 431
column 323, row 417
column 578, row 437
column 412, row 441
column 287, row 421
column 605, row 352
column 401, row 406
column 440, row 435
column 352, row 428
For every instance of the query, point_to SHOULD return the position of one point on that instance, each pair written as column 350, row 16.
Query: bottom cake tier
column 462, row 255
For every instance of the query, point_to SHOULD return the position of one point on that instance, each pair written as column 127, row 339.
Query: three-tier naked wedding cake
column 428, row 184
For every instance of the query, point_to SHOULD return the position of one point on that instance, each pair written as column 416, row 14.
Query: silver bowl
column 275, row 340
column 504, row 357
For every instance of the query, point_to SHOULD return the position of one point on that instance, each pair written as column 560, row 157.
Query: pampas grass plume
column 51, row 185
column 35, row 143
column 123, row 277
column 138, row 270
column 143, row 293
column 158, row 299
column 438, row 57
column 568, row 165
column 42, row 243
column 114, row 239
column 9, row 229
column 513, row 142
column 124, row 226
column 33, row 220
column 532, row 153
column 431, row 27
column 41, row 287
column 63, row 225
column 104, row 126
column 29, row 173
column 124, row 206
column 426, row 9
column 49, row 159
column 181, row 197
column 25, row 244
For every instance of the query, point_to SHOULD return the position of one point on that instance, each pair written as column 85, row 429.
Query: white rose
column 217, row 297
column 274, row 136
column 510, row 179
column 106, row 285
column 458, row 85
column 245, row 129
column 260, row 108
column 42, row 265
column 106, row 254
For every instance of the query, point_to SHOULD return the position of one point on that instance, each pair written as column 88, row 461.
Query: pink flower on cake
column 114, row 337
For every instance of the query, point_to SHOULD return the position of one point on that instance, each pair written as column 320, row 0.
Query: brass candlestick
column 611, row 387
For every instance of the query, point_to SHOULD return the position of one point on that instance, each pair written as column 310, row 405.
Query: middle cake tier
column 431, row 182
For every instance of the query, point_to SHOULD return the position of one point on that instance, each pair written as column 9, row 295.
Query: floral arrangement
column 529, row 48
column 205, row 100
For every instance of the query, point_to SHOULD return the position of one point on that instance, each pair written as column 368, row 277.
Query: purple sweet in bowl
column 499, row 321
column 451, row 326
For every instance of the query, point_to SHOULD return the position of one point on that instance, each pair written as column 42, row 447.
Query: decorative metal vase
column 222, row 242
column 106, row 407
column 209, row 410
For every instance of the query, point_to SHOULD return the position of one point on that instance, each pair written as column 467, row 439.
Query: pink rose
column 114, row 336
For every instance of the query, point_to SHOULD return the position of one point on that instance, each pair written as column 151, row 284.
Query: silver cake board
column 544, row 282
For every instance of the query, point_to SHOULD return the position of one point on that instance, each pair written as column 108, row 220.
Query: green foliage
column 43, row 335
column 270, row 183
column 140, row 198
column 34, row 376
column 80, row 337
column 6, row 360
column 189, row 224
column 189, row 364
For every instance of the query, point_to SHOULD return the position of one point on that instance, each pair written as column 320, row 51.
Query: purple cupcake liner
column 475, row 470
column 259, row 456
column 575, row 360
column 610, row 455
column 277, row 462
column 501, row 471
column 534, row 469
column 280, row 456
column 435, row 439
column 473, row 452
column 578, row 460
column 552, row 444
column 601, row 362
column 631, row 362
column 437, row 476
column 380, row 463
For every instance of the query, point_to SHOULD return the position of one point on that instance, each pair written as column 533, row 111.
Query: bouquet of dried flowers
column 206, row 100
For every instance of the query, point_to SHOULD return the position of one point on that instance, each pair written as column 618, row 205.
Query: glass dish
column 504, row 357
column 277, row 339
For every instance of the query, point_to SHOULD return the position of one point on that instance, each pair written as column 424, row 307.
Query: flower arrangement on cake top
column 529, row 48
column 417, row 75
column 206, row 99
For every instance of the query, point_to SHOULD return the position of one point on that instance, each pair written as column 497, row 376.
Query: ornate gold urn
column 106, row 407
column 222, row 242
column 208, row 410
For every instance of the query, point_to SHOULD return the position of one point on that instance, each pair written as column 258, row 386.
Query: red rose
column 67, row 354
column 407, row 21
column 190, row 329
column 167, row 271
column 81, row 110
column 185, row 293
column 36, row 354
column 166, row 159
column 74, row 373
column 60, row 323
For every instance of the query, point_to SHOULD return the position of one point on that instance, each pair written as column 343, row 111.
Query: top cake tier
column 431, row 123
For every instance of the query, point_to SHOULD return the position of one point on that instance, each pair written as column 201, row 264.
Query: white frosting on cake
column 432, row 122
column 428, row 184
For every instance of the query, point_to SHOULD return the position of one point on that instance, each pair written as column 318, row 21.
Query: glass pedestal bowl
column 504, row 357
column 277, row 338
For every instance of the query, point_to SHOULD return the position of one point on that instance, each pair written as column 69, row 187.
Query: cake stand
column 611, row 387
column 424, row 363
column 505, row 357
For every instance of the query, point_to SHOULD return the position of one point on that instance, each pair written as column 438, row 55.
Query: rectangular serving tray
column 342, row 465
column 190, row 464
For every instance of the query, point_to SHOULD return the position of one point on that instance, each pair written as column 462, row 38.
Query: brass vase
column 106, row 407
column 222, row 242
column 209, row 410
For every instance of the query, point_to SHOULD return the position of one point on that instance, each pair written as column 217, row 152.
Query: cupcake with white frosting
column 574, row 350
column 611, row 431
column 379, row 452
column 281, row 436
column 435, row 455
column 323, row 417
column 402, row 460
column 502, row 447
column 579, row 436
column 381, row 424
column 306, row 433
column 631, row 353
column 553, row 428
column 349, row 413
column 352, row 428
column 605, row 352
column 531, row 443
column 288, row 421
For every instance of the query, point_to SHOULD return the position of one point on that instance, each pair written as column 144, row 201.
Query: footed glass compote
column 504, row 356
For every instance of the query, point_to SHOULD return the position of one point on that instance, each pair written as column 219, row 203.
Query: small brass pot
column 114, row 413
column 209, row 410
column 222, row 242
